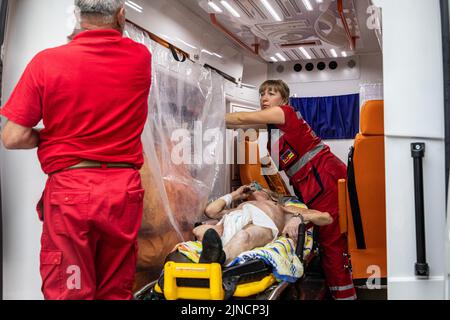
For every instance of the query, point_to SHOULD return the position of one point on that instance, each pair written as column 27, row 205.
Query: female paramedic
column 313, row 171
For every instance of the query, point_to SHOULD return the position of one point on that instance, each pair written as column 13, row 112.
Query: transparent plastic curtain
column 183, row 144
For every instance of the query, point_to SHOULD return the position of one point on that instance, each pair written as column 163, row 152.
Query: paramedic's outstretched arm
column 16, row 137
column 318, row 218
column 216, row 209
column 248, row 126
column 274, row 115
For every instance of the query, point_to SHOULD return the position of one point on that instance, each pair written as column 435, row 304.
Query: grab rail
column 421, row 266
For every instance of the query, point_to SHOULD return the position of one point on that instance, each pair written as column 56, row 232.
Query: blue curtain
column 331, row 117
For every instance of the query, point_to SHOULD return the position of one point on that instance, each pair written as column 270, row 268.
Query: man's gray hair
column 105, row 9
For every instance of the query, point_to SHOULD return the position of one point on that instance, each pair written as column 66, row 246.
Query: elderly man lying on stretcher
column 254, row 223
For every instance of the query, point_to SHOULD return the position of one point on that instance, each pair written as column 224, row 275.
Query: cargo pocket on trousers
column 51, row 273
column 68, row 211
column 40, row 208
column 133, row 214
column 309, row 185
column 131, row 264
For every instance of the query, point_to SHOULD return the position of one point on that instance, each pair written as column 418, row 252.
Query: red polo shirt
column 92, row 95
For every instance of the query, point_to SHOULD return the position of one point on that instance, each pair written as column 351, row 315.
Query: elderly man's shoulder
column 53, row 52
column 45, row 55
column 140, row 51
column 139, row 47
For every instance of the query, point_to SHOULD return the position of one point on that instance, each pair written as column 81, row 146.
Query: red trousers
column 91, row 218
column 317, row 185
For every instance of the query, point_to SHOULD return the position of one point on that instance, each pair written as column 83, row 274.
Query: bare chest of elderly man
column 271, row 209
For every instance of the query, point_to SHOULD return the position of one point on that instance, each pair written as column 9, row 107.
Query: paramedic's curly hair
column 105, row 9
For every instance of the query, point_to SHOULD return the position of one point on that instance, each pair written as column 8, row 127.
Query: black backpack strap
column 354, row 203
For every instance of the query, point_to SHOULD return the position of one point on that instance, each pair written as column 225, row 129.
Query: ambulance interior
column 368, row 75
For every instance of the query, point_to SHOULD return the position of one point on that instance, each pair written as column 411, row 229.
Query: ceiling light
column 230, row 9
column 308, row 5
column 319, row 1
column 271, row 10
column 273, row 59
column 208, row 52
column 305, row 53
column 212, row 53
column 344, row 54
column 281, row 57
column 215, row 7
column 134, row 6
column 333, row 52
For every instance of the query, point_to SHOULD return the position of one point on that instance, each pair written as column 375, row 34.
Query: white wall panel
column 32, row 26
column 414, row 112
column 400, row 209
column 413, row 67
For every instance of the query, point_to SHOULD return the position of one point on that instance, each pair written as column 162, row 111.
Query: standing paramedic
column 313, row 172
column 92, row 95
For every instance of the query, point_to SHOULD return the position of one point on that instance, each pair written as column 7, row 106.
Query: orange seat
column 369, row 172
column 252, row 171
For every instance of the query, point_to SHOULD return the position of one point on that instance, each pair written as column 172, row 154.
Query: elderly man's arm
column 318, row 218
column 315, row 217
column 15, row 136
column 216, row 209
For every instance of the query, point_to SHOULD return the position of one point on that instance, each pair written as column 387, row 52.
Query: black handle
column 175, row 54
column 300, row 240
column 421, row 266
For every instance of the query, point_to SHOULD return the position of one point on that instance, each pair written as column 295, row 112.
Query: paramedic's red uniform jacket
column 92, row 95
column 314, row 173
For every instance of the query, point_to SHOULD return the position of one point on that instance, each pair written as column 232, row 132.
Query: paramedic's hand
column 291, row 228
column 242, row 193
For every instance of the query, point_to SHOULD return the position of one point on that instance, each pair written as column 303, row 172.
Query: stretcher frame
column 266, row 288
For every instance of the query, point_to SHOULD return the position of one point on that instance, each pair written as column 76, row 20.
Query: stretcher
column 253, row 279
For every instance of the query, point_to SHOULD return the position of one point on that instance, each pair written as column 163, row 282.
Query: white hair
column 103, row 9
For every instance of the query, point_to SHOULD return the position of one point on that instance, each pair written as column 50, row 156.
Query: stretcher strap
column 354, row 203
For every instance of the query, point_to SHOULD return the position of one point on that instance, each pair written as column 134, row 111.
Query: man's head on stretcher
column 258, row 219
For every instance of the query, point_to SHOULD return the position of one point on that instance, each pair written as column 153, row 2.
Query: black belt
column 87, row 164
